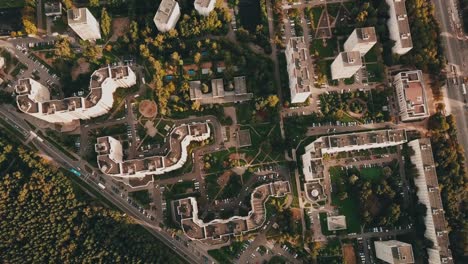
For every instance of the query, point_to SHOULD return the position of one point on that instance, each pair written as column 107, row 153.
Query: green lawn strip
column 375, row 72
column 372, row 54
column 372, row 174
column 317, row 12
column 11, row 4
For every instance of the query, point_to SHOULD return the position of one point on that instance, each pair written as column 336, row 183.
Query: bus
column 77, row 173
column 101, row 186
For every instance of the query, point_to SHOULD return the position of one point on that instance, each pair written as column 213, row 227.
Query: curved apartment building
column 34, row 98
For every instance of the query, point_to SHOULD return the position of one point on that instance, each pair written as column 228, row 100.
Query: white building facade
column 34, row 98
column 362, row 40
column 167, row 15
column 204, row 7
column 346, row 64
column 83, row 23
column 300, row 79
column 411, row 95
column 399, row 28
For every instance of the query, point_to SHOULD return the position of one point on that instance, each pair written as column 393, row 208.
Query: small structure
column 394, row 252
column 335, row 223
column 83, row 23
column 53, row 8
column 362, row 40
column 399, row 28
column 411, row 94
column 243, row 138
column 2, row 62
column 346, row 65
column 235, row 91
column 167, row 15
column 300, row 80
column 204, row 7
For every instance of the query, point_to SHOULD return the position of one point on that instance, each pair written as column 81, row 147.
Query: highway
column 456, row 51
column 178, row 247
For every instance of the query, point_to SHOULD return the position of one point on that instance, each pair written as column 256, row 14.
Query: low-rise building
column 337, row 222
column 411, row 95
column 83, row 23
column 187, row 215
column 398, row 26
column 394, row 252
column 111, row 160
column 300, row 79
column 204, row 7
column 428, row 193
column 362, row 40
column 231, row 92
column 53, row 8
column 34, row 98
column 167, row 15
column 346, row 64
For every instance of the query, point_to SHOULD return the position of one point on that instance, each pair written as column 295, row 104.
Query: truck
column 101, row 186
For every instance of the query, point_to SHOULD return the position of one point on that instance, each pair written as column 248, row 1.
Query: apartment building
column 394, row 252
column 362, row 40
column 34, row 99
column 428, row 193
column 204, row 7
column 111, row 161
column 411, row 94
column 167, row 15
column 83, row 23
column 346, row 64
column 312, row 158
column 399, row 28
column 300, row 79
column 194, row 228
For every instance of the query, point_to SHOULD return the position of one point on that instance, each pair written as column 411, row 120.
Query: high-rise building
column 34, row 98
column 300, row 81
column 204, row 7
column 428, row 193
column 167, row 15
column 362, row 40
column 394, row 252
column 346, row 64
column 411, row 95
column 83, row 23
column 399, row 28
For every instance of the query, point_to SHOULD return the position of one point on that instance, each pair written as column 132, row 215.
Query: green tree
column 63, row 48
column 93, row 3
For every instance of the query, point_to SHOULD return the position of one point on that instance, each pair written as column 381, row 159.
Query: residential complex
column 111, row 157
column 411, row 95
column 346, row 64
column 233, row 91
column 300, row 79
column 204, row 7
column 394, row 252
column 83, row 23
column 167, row 15
column 399, row 28
column 34, row 99
column 362, row 40
column 187, row 215
column 428, row 193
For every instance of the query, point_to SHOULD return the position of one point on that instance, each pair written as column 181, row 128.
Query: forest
column 44, row 219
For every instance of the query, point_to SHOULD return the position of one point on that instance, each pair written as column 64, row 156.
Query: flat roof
column 403, row 23
column 351, row 58
column 77, row 15
column 203, row 3
column 165, row 10
column 366, row 35
column 299, row 63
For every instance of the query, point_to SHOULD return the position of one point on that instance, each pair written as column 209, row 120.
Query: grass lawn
column 348, row 207
column 375, row 72
column 244, row 113
column 372, row 174
column 317, row 12
column 324, row 50
column 11, row 3
column 372, row 54
column 333, row 9
column 323, row 224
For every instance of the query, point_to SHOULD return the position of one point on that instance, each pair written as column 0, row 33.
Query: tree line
column 44, row 220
